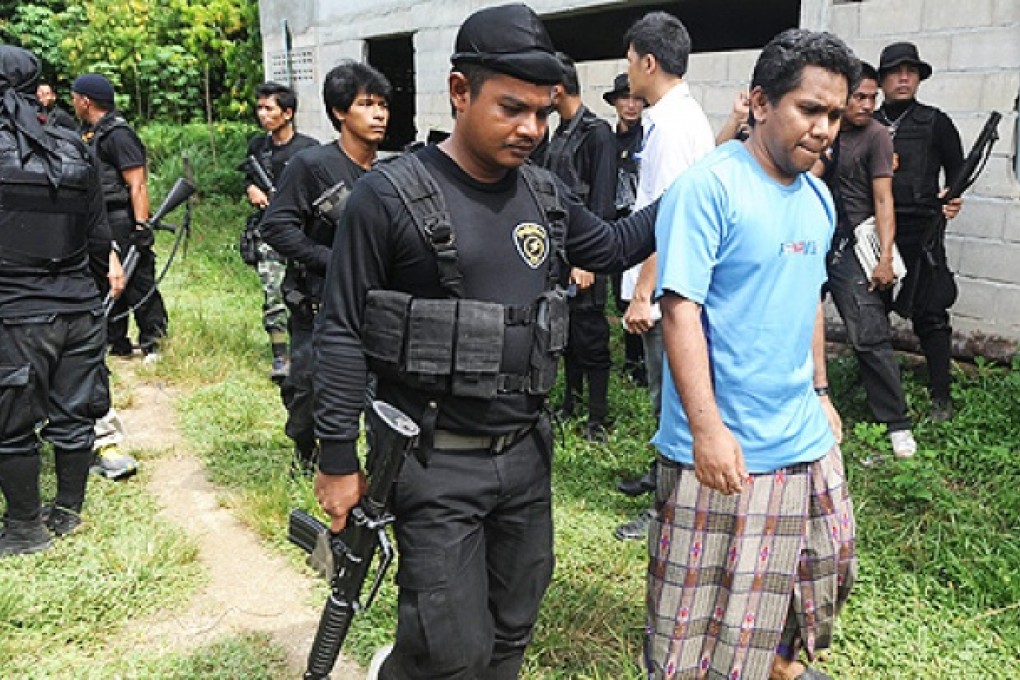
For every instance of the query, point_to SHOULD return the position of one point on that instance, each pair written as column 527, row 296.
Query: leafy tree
column 169, row 60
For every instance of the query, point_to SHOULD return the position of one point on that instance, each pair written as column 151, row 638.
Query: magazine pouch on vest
column 549, row 341
column 42, row 227
column 916, row 179
column 443, row 346
column 479, row 349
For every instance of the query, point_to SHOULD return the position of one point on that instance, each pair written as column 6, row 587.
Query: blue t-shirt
column 751, row 251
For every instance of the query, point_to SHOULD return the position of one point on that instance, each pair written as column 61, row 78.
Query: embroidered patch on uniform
column 532, row 243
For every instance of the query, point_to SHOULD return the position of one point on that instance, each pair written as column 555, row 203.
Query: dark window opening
column 394, row 57
column 714, row 25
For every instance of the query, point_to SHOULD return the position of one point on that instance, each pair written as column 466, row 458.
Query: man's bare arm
column 139, row 188
column 638, row 318
column 821, row 379
column 718, row 460
column 885, row 226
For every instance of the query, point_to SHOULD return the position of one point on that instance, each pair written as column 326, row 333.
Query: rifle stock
column 392, row 435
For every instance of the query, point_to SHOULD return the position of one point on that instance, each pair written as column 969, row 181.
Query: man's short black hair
column 571, row 85
column 343, row 83
column 664, row 37
column 285, row 97
column 781, row 64
column 868, row 72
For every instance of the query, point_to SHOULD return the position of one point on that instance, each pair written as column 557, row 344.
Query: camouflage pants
column 271, row 268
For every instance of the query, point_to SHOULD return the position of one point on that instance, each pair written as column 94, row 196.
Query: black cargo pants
column 476, row 556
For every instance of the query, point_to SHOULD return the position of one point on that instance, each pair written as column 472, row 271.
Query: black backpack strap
column 543, row 189
column 423, row 199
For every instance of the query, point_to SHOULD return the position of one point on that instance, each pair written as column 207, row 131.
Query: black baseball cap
column 509, row 39
column 94, row 86
column 902, row 53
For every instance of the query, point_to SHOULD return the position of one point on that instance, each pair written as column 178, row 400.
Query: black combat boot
column 23, row 537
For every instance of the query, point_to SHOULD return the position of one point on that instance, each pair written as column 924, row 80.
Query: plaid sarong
column 733, row 578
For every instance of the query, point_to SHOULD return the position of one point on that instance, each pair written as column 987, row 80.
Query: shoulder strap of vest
column 423, row 200
column 106, row 126
column 543, row 189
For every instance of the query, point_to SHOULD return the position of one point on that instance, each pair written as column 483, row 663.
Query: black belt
column 445, row 440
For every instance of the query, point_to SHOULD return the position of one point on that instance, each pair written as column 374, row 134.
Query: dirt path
column 249, row 589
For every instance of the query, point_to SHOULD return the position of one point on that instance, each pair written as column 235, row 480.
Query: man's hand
column 257, row 197
column 952, row 208
column 719, row 462
column 638, row 318
column 883, row 276
column 581, row 278
column 337, row 494
column 115, row 275
column 832, row 415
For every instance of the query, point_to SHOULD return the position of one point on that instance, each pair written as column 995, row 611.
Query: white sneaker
column 378, row 658
column 151, row 358
column 903, row 444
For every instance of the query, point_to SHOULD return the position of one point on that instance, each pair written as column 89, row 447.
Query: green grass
column 939, row 536
column 939, row 591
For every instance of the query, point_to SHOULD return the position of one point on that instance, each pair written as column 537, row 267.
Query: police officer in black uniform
column 926, row 144
column 301, row 219
column 275, row 107
column 53, row 382
column 582, row 153
column 123, row 174
column 446, row 277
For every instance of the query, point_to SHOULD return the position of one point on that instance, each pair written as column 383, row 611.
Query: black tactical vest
column 454, row 346
column 916, row 180
column 43, row 229
column 116, row 192
column 563, row 148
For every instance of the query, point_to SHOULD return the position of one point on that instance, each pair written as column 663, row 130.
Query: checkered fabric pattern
column 733, row 578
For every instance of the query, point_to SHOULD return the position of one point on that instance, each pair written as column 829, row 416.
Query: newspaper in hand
column 868, row 249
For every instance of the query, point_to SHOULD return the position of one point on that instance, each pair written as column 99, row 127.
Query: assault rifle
column 938, row 285
column 253, row 168
column 350, row 553
column 180, row 192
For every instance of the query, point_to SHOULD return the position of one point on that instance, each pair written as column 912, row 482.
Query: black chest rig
column 916, row 179
column 43, row 229
column 116, row 193
column 454, row 346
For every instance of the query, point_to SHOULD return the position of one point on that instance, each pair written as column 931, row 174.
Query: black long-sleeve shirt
column 290, row 224
column 379, row 247
column 279, row 154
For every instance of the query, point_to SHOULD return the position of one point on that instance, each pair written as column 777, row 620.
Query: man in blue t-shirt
column 751, row 554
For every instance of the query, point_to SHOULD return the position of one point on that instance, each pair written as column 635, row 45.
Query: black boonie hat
column 509, row 39
column 621, row 86
column 902, row 53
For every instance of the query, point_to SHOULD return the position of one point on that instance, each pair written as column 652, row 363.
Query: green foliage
column 169, row 60
column 213, row 152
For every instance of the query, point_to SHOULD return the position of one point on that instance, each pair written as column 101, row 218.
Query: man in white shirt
column 677, row 133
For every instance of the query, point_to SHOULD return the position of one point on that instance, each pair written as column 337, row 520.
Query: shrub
column 213, row 153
